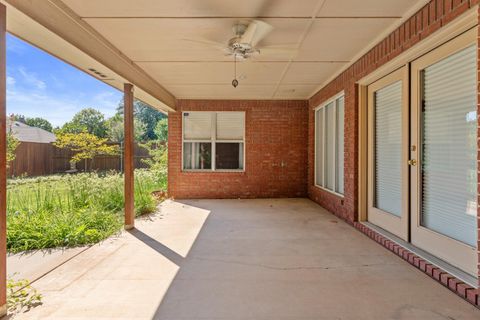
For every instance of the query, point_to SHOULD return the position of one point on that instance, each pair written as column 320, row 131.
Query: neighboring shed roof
column 25, row 133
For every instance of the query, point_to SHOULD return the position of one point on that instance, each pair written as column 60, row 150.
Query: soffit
column 165, row 37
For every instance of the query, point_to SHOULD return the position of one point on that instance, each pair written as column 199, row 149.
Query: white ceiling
column 160, row 36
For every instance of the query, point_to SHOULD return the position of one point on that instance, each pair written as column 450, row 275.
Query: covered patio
column 338, row 137
column 242, row 259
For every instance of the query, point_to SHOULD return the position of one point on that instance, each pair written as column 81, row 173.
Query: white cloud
column 57, row 83
column 28, row 94
column 55, row 109
column 32, row 79
column 106, row 99
column 11, row 81
column 16, row 46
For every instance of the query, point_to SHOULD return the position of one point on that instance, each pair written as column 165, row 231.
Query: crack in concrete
column 270, row 267
column 407, row 311
column 88, row 268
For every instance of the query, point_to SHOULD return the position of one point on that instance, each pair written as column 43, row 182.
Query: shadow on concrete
column 157, row 246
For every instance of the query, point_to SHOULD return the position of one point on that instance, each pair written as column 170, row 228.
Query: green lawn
column 72, row 210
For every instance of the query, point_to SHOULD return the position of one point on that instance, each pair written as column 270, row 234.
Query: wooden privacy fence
column 38, row 159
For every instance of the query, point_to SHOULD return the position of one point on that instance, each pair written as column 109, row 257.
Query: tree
column 161, row 130
column 146, row 114
column 69, row 127
column 89, row 120
column 158, row 149
column 33, row 122
column 158, row 160
column 12, row 142
column 116, row 129
column 18, row 117
column 84, row 145
column 12, row 145
column 39, row 123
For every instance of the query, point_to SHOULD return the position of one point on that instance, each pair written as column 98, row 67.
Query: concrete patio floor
column 242, row 259
column 35, row 264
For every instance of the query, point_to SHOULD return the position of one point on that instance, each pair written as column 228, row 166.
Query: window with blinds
column 329, row 145
column 197, row 126
column 388, row 148
column 449, row 140
column 213, row 140
column 230, row 125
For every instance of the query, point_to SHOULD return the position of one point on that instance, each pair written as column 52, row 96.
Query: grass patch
column 73, row 210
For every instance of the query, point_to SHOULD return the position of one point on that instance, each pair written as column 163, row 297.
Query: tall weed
column 72, row 210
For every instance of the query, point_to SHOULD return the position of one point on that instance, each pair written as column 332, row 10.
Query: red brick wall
column 429, row 19
column 275, row 132
column 426, row 21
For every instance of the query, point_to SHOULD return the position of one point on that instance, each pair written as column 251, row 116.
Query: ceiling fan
column 244, row 43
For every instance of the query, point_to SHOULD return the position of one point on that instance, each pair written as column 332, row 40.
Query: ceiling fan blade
column 207, row 42
column 277, row 51
column 258, row 62
column 249, row 33
column 256, row 31
column 263, row 29
column 292, row 46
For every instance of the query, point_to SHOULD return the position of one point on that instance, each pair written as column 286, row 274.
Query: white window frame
column 213, row 140
column 333, row 99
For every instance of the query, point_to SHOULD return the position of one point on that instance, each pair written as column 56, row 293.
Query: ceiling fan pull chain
column 235, row 81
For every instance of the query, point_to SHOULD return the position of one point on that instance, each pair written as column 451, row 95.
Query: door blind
column 449, row 165
column 388, row 148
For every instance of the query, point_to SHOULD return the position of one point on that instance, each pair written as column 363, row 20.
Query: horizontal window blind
column 319, row 147
column 197, row 125
column 230, row 125
column 213, row 140
column 388, row 148
column 449, row 166
column 329, row 145
column 340, row 143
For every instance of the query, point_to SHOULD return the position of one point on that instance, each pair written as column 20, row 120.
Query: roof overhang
column 54, row 28
column 159, row 45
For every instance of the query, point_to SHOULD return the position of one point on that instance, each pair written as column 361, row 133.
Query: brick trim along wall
column 275, row 152
column 426, row 21
column 464, row 290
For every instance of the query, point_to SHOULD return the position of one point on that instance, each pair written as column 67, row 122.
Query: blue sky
column 40, row 85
